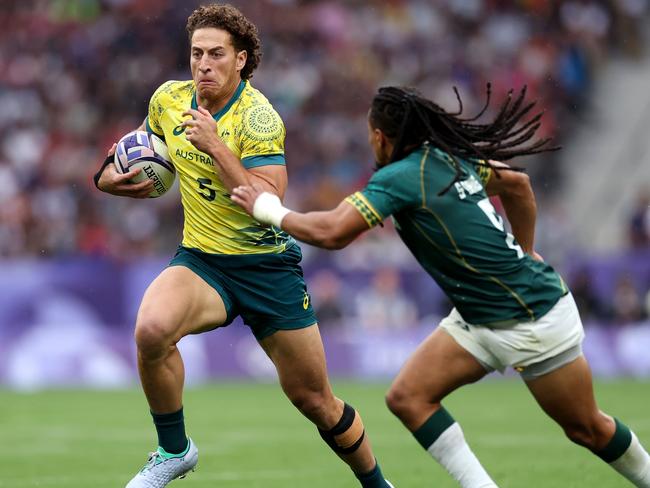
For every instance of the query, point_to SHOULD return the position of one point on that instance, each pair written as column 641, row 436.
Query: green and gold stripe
column 369, row 214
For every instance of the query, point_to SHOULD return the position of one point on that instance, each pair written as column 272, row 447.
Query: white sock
column 634, row 464
column 451, row 450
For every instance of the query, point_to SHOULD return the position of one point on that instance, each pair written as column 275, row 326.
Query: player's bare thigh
column 437, row 367
column 177, row 303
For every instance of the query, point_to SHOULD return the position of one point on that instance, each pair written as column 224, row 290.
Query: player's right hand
column 120, row 184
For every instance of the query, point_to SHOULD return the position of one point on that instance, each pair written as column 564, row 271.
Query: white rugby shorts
column 532, row 348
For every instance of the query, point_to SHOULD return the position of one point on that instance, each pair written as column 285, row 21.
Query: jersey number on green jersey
column 497, row 221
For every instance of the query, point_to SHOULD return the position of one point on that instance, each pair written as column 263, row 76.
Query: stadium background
column 77, row 74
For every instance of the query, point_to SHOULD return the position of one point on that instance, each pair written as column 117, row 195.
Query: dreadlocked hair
column 409, row 119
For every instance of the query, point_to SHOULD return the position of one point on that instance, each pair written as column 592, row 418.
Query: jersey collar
column 233, row 99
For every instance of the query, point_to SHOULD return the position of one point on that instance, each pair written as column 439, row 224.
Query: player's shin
column 443, row 438
column 346, row 439
column 626, row 455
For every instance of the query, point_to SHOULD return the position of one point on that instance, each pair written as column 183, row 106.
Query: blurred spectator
column 553, row 233
column 325, row 290
column 629, row 24
column 639, row 221
column 589, row 305
column 627, row 302
column 589, row 21
column 383, row 305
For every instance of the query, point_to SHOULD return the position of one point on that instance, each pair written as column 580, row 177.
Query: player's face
column 378, row 143
column 215, row 64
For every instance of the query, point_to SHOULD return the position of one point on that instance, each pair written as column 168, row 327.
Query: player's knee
column 152, row 338
column 311, row 404
column 348, row 434
column 593, row 433
column 396, row 401
column 400, row 402
column 585, row 434
column 581, row 435
column 408, row 406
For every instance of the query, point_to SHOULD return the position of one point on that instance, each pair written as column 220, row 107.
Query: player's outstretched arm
column 333, row 229
column 518, row 199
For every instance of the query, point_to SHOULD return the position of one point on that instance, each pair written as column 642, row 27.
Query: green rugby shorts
column 267, row 290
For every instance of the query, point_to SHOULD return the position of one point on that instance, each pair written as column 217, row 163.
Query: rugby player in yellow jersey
column 221, row 133
column 510, row 308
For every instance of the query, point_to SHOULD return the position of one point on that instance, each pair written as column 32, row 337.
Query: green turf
column 250, row 436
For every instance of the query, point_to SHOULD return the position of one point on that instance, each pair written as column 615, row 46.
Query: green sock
column 433, row 427
column 373, row 479
column 619, row 443
column 171, row 431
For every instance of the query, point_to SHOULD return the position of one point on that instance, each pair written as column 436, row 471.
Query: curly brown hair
column 243, row 32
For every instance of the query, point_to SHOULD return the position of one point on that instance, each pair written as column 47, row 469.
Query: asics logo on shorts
column 305, row 301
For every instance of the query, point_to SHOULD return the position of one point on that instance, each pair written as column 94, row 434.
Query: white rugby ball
column 140, row 149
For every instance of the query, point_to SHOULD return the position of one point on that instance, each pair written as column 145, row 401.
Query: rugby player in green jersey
column 221, row 132
column 435, row 174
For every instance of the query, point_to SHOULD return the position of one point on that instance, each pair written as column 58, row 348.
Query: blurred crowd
column 385, row 301
column 77, row 74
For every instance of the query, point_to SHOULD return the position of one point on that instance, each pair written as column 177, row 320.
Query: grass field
column 249, row 436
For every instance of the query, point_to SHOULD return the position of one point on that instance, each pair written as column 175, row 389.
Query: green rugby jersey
column 459, row 238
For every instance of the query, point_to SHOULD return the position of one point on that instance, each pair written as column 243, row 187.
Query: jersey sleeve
column 262, row 137
column 156, row 109
column 484, row 173
column 389, row 191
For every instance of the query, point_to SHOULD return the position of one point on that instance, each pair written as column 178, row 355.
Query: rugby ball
column 140, row 149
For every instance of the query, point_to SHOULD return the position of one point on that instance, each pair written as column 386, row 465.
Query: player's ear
column 382, row 140
column 386, row 147
column 375, row 136
column 242, row 56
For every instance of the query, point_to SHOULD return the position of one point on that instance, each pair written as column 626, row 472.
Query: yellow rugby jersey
column 254, row 132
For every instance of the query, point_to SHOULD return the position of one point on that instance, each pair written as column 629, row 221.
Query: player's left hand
column 536, row 256
column 245, row 196
column 201, row 129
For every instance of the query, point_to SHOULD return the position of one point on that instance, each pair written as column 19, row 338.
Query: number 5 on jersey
column 203, row 187
column 497, row 221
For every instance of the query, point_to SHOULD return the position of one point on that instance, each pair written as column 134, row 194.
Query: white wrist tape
column 268, row 209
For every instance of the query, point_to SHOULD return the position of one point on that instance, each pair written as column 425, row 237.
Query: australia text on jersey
column 194, row 156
